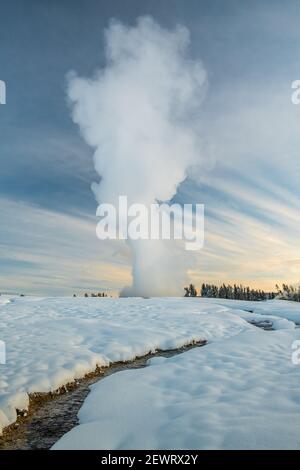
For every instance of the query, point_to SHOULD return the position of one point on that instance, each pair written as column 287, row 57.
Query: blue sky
column 250, row 135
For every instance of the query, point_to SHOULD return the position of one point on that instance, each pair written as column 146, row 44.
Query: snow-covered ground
column 241, row 390
column 241, row 393
column 52, row 341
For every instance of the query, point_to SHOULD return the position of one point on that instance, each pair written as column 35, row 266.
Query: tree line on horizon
column 98, row 294
column 286, row 292
column 235, row 292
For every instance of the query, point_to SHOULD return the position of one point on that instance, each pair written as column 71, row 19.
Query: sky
column 250, row 142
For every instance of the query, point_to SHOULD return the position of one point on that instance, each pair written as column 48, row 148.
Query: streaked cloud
column 43, row 252
column 250, row 137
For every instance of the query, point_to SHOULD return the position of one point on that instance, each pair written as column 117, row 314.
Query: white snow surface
column 53, row 341
column 241, row 392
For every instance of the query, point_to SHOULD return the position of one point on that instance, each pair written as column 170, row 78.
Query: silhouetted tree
column 287, row 292
column 190, row 291
column 234, row 292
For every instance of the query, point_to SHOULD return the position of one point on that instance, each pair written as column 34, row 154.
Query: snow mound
column 53, row 341
column 238, row 393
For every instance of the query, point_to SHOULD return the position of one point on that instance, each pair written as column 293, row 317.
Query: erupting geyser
column 140, row 113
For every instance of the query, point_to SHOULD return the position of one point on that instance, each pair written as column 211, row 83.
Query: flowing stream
column 54, row 415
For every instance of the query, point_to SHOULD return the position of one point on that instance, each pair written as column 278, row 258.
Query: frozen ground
column 239, row 391
column 52, row 341
column 242, row 392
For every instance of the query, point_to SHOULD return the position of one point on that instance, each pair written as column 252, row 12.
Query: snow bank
column 238, row 393
column 52, row 341
column 279, row 308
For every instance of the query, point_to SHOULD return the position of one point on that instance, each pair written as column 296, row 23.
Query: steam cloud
column 140, row 114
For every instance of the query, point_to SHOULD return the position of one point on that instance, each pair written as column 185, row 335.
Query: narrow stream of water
column 51, row 418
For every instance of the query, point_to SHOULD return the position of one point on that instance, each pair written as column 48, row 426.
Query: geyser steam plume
column 140, row 112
